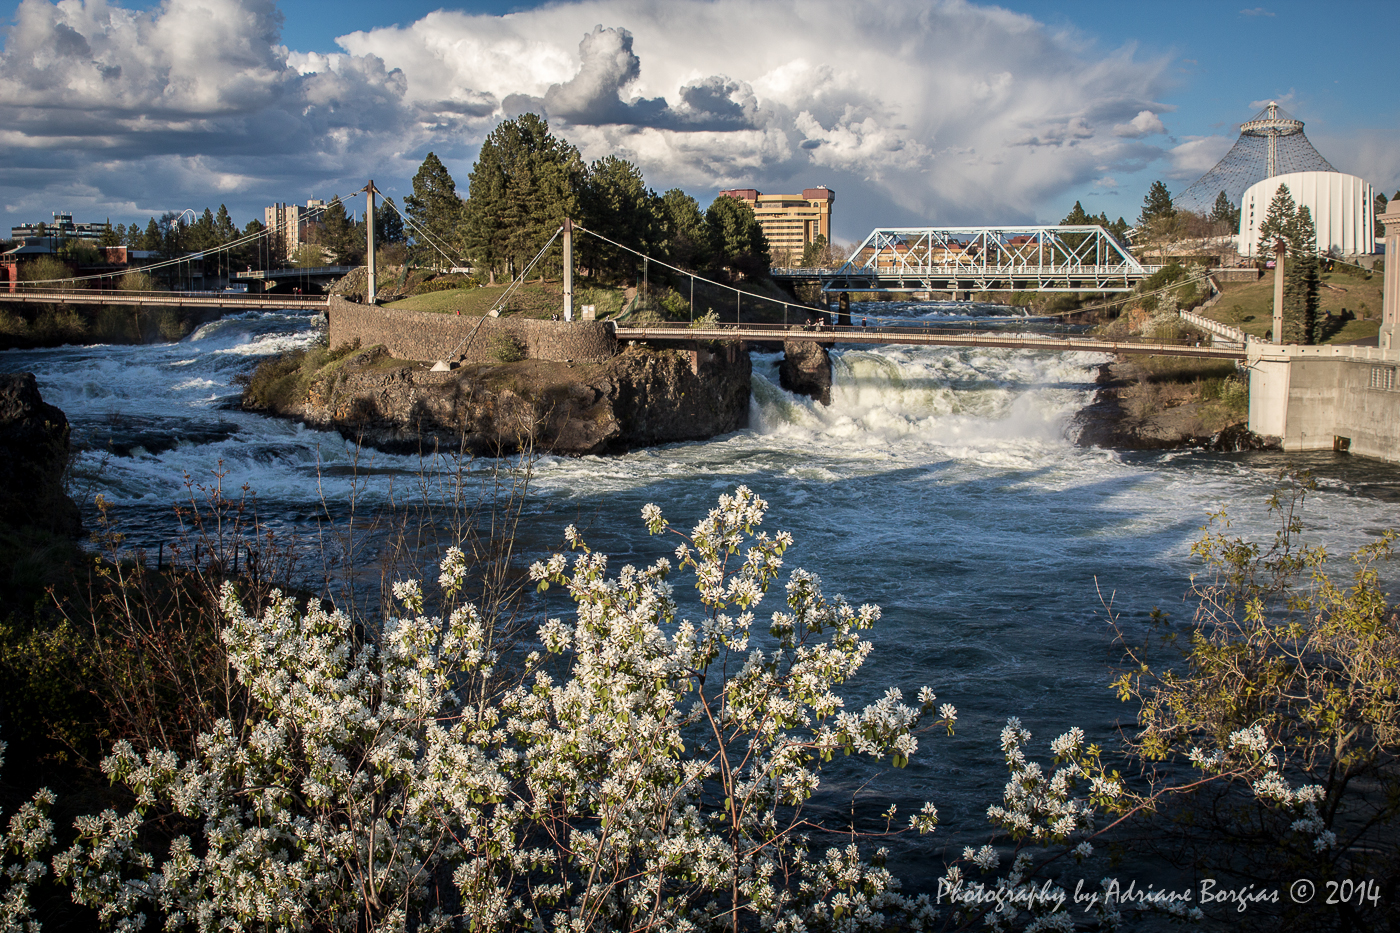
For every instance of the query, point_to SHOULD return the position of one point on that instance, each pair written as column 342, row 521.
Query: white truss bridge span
column 984, row 259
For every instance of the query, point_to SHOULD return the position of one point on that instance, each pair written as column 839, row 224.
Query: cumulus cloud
column 1146, row 123
column 990, row 113
column 945, row 112
column 114, row 111
column 1198, row 155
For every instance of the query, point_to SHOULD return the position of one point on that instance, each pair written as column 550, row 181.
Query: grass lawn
column 533, row 299
column 1250, row 305
column 762, row 301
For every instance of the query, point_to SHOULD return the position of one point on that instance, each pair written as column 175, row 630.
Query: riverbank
column 27, row 326
column 1163, row 403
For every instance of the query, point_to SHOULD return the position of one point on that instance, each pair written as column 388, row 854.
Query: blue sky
column 914, row 112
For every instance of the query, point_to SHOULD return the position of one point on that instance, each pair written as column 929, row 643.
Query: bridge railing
column 971, row 269
column 118, row 296
column 680, row 331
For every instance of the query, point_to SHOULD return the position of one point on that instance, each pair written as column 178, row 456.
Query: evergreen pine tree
column 1076, row 217
column 1278, row 219
column 1156, row 205
column 816, row 253
column 1224, row 212
column 524, row 184
column 685, row 238
column 1302, row 281
column 342, row 236
column 224, row 226
column 616, row 202
column 436, row 212
column 151, row 239
column 737, row 239
column 388, row 225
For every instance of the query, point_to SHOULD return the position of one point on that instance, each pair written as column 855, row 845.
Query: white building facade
column 1343, row 209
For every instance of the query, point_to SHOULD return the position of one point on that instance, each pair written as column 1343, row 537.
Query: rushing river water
column 941, row 484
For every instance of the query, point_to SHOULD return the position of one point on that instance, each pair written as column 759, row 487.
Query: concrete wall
column 419, row 335
column 1312, row 396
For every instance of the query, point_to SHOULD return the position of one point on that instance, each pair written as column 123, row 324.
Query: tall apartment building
column 789, row 221
column 292, row 222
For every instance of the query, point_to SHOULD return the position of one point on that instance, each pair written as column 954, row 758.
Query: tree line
column 526, row 181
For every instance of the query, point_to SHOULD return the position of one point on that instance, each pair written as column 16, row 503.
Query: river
column 941, row 484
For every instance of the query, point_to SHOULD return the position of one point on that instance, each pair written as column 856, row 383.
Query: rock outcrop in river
column 33, row 458
column 1171, row 416
column 806, row 370
column 639, row 398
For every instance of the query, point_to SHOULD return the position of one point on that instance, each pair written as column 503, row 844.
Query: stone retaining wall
column 419, row 335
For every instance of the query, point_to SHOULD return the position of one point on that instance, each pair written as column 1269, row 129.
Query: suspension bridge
column 196, row 299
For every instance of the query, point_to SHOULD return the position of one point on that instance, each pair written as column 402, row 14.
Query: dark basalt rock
column 33, row 458
column 640, row 398
column 806, row 370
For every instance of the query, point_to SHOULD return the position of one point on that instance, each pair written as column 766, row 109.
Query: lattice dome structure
column 1270, row 144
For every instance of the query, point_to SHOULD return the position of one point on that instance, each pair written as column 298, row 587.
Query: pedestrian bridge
column 161, row 299
column 921, row 336
column 1066, row 258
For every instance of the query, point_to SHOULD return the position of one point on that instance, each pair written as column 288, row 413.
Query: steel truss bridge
column 982, row 259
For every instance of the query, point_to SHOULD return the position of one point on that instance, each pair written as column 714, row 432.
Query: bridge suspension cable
column 739, row 293
column 427, row 238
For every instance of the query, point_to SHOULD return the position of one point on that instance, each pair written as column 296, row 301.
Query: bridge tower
column 370, row 288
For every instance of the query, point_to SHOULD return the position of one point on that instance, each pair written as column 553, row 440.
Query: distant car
column 239, row 287
column 1269, row 264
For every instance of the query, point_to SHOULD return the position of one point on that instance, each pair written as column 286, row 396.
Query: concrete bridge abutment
column 1334, row 397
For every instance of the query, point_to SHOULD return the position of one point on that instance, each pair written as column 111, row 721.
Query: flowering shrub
column 29, row 835
column 1287, row 704
column 643, row 770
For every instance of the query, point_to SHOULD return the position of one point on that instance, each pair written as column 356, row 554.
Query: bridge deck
column 164, row 299
column 920, row 336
